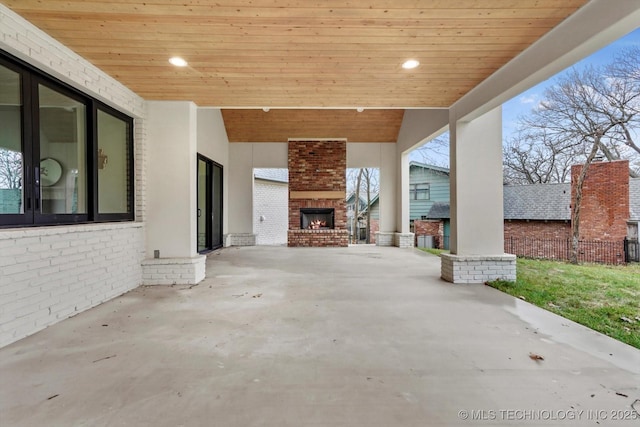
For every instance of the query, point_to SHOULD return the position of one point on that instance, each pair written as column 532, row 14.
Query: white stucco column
column 388, row 188
column 241, row 196
column 477, row 224
column 172, row 256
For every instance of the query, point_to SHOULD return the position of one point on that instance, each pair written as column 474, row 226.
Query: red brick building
column 537, row 218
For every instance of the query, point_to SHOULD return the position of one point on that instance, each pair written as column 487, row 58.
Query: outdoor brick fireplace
column 317, row 186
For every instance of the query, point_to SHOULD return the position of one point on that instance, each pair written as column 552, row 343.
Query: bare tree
column 364, row 184
column 584, row 114
column 10, row 169
column 357, row 206
column 559, row 132
column 535, row 158
column 436, row 151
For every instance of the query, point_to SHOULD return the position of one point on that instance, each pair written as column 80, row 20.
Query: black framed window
column 114, row 164
column 64, row 157
column 420, row 192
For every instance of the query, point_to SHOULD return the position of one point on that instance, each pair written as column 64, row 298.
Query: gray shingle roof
column 537, row 202
column 278, row 175
column 439, row 210
column 634, row 199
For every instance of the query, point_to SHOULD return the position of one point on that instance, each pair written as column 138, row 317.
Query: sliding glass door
column 209, row 209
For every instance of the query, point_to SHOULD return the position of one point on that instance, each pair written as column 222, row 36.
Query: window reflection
column 63, row 170
column 11, row 151
column 113, row 164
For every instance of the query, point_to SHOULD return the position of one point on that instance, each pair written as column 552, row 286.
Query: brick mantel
column 317, row 179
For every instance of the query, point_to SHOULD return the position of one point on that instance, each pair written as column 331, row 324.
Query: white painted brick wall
column 173, row 271
column 239, row 239
column 478, row 269
column 404, row 240
column 50, row 273
column 141, row 158
column 384, row 239
column 270, row 200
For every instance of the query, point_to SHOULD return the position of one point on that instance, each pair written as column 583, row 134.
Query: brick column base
column 478, row 268
column 401, row 240
column 173, row 271
column 239, row 239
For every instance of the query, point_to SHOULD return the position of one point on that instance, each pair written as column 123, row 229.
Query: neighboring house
column 351, row 211
column 374, row 223
column 435, row 224
column 540, row 211
column 270, row 206
column 428, row 184
column 543, row 211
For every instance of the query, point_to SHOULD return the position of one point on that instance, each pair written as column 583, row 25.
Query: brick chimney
column 605, row 200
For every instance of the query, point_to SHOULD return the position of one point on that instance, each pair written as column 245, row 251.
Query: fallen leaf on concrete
column 621, row 394
column 534, row 356
column 52, row 397
column 104, row 358
column 257, row 296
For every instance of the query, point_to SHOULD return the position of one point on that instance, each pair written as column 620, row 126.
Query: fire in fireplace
column 316, row 218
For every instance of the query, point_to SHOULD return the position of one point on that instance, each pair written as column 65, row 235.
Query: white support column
column 172, row 256
column 403, row 238
column 241, row 200
column 388, row 195
column 477, row 224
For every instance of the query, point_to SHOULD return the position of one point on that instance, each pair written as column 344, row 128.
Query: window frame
column 414, row 191
column 108, row 217
column 32, row 216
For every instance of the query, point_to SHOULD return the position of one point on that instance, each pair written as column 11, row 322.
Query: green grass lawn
column 603, row 298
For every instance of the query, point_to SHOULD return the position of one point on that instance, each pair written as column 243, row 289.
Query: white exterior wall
column 214, row 144
column 243, row 158
column 50, row 273
column 270, row 212
column 171, row 197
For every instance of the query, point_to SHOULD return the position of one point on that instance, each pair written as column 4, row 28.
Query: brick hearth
column 317, row 179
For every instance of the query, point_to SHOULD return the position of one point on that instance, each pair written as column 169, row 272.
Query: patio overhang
column 313, row 67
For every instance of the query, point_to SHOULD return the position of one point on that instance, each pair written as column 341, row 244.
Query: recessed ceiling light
column 410, row 64
column 178, row 62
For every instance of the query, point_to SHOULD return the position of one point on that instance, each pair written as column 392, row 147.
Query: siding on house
column 439, row 189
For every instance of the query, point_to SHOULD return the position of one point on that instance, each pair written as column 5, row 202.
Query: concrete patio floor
column 359, row 336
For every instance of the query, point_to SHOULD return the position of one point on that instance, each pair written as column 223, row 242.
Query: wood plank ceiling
column 298, row 53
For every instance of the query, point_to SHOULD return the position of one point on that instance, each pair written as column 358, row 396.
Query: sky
column 526, row 101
